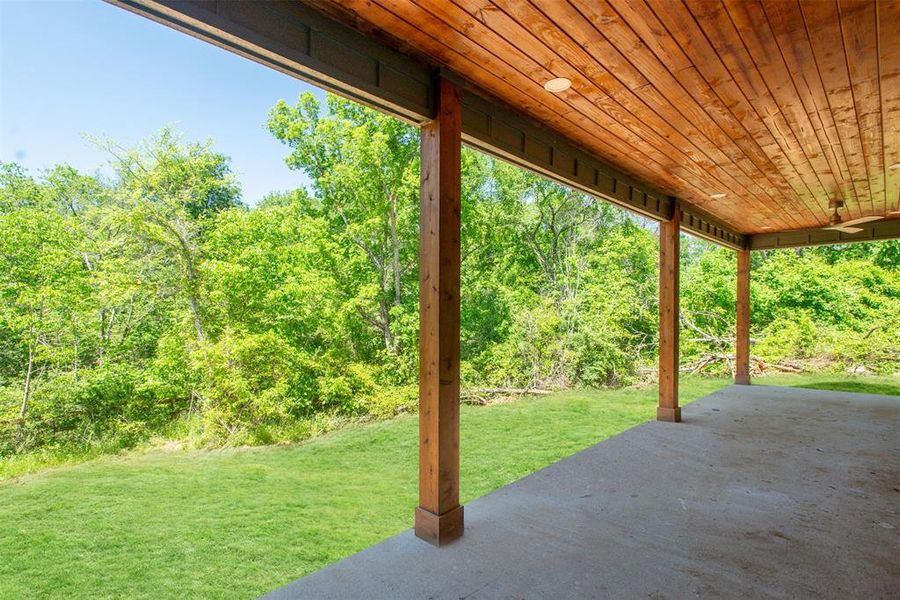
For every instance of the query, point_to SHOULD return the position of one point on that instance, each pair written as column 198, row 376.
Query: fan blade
column 843, row 228
column 861, row 220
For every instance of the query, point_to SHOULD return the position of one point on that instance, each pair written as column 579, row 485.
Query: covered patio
column 754, row 125
column 763, row 492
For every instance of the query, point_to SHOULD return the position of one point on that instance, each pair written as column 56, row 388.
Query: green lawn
column 237, row 523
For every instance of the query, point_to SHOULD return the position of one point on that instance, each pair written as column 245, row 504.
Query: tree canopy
column 155, row 296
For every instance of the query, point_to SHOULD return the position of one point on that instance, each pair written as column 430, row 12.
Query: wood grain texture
column 669, row 317
column 349, row 57
column 742, row 331
column 778, row 104
column 888, row 30
column 439, row 314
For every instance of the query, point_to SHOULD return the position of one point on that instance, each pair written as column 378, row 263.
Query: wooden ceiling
column 779, row 105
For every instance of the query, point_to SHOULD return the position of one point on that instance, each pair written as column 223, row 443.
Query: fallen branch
column 757, row 365
column 482, row 396
column 512, row 391
column 704, row 335
column 871, row 331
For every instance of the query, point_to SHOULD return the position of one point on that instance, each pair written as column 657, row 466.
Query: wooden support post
column 742, row 333
column 439, row 517
column 669, row 249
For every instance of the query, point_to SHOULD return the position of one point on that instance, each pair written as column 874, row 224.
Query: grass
column 885, row 389
column 237, row 523
column 184, row 432
column 885, row 385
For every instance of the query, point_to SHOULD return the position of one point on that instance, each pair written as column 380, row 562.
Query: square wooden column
column 742, row 332
column 669, row 249
column 439, row 517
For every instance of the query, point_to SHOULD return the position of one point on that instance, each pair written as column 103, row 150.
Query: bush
column 250, row 379
column 388, row 401
column 875, row 349
column 170, row 377
column 788, row 338
column 71, row 410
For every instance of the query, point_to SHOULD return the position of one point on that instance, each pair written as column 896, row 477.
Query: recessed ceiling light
column 717, row 196
column 894, row 166
column 560, row 84
column 766, row 227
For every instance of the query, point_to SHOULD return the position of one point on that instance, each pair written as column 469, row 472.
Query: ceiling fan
column 836, row 223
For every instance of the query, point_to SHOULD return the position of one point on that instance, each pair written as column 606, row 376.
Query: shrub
column 68, row 410
column 388, row 401
column 250, row 379
column 787, row 338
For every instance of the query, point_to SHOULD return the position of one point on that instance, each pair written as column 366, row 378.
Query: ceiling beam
column 880, row 230
column 304, row 43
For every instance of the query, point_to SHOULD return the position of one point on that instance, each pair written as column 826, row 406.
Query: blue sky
column 82, row 66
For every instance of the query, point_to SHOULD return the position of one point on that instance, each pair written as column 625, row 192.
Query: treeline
column 156, row 297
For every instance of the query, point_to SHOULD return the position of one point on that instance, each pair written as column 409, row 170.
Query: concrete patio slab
column 761, row 492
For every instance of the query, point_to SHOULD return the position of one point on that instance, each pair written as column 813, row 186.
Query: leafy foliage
column 806, row 303
column 155, row 295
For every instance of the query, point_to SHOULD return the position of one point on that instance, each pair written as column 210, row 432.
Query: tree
column 42, row 291
column 168, row 190
column 364, row 168
column 132, row 300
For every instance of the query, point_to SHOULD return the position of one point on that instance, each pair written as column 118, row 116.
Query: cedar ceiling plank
column 786, row 23
column 824, row 31
column 588, row 51
column 753, row 27
column 889, row 69
column 641, row 29
column 540, row 111
column 646, row 53
column 487, row 42
column 723, row 34
column 668, row 94
column 619, row 80
column 454, row 45
column 500, row 34
column 456, row 29
column 457, row 54
column 674, row 23
column 681, row 26
column 859, row 27
column 781, row 104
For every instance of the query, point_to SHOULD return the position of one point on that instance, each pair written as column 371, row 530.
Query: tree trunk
column 75, row 352
column 101, row 351
column 192, row 291
column 195, row 311
column 26, row 396
column 395, row 247
column 386, row 327
column 188, row 256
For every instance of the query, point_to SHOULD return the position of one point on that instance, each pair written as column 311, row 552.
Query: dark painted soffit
column 880, row 230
